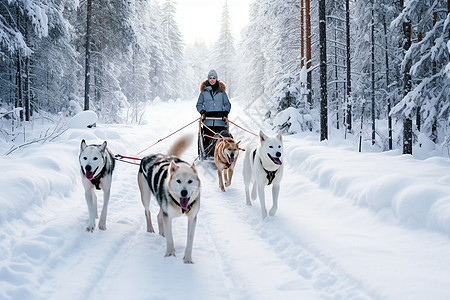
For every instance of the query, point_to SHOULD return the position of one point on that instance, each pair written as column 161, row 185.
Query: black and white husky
column 263, row 166
column 97, row 164
column 176, row 187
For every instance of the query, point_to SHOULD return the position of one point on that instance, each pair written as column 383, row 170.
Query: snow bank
column 83, row 119
column 401, row 186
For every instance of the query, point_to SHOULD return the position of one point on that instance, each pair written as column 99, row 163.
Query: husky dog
column 226, row 153
column 176, row 187
column 97, row 164
column 263, row 166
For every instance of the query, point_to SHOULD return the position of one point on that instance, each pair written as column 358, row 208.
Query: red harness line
column 128, row 157
column 160, row 140
column 168, row 136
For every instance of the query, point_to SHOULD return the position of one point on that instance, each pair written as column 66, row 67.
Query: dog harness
column 270, row 175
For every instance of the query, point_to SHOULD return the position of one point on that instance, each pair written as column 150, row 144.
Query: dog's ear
column 279, row 136
column 193, row 168
column 262, row 136
column 103, row 146
column 173, row 167
column 83, row 145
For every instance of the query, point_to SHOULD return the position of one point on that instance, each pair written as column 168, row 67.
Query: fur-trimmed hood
column 222, row 86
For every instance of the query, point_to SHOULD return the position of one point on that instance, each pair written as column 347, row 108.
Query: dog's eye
column 85, row 158
column 178, row 181
column 279, row 146
column 190, row 181
column 95, row 158
column 270, row 146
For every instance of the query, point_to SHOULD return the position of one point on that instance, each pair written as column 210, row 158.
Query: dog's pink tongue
column 277, row 161
column 89, row 175
column 231, row 160
column 184, row 203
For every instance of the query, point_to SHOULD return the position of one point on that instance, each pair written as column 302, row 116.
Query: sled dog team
column 175, row 184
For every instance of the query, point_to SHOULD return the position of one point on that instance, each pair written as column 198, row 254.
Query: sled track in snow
column 322, row 272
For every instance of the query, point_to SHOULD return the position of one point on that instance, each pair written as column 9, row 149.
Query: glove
column 202, row 112
column 224, row 115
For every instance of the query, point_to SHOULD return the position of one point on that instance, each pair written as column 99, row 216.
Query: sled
column 206, row 141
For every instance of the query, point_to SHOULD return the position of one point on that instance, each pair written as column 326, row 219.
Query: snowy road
column 349, row 226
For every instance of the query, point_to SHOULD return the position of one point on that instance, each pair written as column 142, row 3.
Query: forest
column 378, row 70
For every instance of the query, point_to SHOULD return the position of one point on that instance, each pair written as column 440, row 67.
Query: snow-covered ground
column 349, row 225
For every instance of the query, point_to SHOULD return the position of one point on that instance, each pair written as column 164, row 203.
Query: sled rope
column 212, row 131
column 160, row 140
column 121, row 157
column 212, row 137
column 242, row 128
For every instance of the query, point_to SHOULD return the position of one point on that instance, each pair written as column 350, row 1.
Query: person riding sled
column 212, row 102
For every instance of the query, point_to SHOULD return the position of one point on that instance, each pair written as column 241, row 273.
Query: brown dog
column 225, row 156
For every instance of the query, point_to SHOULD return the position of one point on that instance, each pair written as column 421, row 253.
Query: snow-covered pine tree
column 429, row 96
column 224, row 53
column 172, row 73
column 252, row 63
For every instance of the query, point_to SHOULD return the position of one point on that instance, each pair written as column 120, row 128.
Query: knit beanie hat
column 213, row 72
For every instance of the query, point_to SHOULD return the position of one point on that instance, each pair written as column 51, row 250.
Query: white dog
column 97, row 164
column 263, row 166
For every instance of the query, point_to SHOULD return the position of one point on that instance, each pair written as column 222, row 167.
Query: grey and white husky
column 263, row 166
column 97, row 165
column 176, row 186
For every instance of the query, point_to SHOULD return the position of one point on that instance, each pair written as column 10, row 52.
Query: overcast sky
column 200, row 20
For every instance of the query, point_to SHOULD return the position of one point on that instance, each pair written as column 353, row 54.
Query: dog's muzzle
column 87, row 172
column 276, row 160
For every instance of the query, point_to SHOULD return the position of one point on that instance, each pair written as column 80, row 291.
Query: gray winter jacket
column 208, row 101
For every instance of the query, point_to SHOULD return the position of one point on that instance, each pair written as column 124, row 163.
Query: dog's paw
column 102, row 227
column 170, row 253
column 264, row 214
column 90, row 228
column 227, row 183
column 273, row 211
column 188, row 260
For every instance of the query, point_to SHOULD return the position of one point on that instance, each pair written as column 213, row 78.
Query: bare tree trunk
column 372, row 50
column 348, row 121
column 418, row 118
column 27, row 89
column 19, row 99
column 302, row 33
column 27, row 79
column 87, row 76
column 407, row 122
column 19, row 95
column 336, row 85
column 434, row 133
column 308, row 51
column 389, row 100
column 323, row 72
